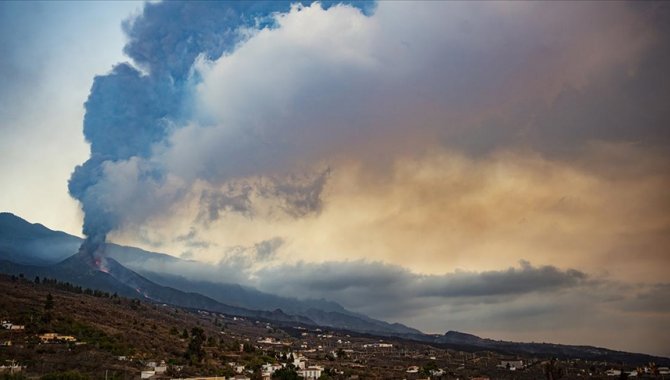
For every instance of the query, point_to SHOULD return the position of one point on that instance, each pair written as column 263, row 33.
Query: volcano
column 108, row 275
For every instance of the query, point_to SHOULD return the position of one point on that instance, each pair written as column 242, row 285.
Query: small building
column 512, row 365
column 7, row 325
column 311, row 372
column 56, row 338
column 268, row 369
column 11, row 367
column 378, row 345
column 154, row 368
column 412, row 369
column 437, row 372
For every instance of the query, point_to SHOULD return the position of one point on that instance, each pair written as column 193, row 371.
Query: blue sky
column 52, row 50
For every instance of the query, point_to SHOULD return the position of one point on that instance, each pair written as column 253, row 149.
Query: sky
column 495, row 168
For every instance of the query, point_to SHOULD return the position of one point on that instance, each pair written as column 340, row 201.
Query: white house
column 613, row 372
column 13, row 367
column 268, row 369
column 7, row 325
column 512, row 365
column 311, row 372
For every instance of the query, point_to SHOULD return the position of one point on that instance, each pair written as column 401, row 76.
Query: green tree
column 552, row 370
column 286, row 373
column 248, row 348
column 49, row 303
column 430, row 366
column 194, row 351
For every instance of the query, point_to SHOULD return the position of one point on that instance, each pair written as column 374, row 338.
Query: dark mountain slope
column 25, row 243
column 38, row 245
column 322, row 312
column 78, row 270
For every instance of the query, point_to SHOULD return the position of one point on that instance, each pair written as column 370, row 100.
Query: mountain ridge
column 473, row 342
column 78, row 270
column 127, row 263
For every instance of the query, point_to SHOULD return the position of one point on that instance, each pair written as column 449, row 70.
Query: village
column 104, row 336
column 323, row 354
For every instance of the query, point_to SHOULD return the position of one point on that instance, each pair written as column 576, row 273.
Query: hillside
column 25, row 243
column 110, row 326
column 117, row 337
column 35, row 245
column 122, row 281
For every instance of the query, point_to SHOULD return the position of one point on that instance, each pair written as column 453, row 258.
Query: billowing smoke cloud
column 237, row 106
column 137, row 106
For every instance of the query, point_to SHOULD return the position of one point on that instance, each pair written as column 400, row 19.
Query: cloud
column 649, row 299
column 267, row 249
column 445, row 210
column 298, row 195
column 233, row 199
column 241, row 99
column 237, row 264
column 524, row 302
column 374, row 284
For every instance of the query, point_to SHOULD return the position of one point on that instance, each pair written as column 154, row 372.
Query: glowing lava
column 101, row 264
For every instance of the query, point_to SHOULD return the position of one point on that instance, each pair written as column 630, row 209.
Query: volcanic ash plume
column 133, row 109
column 226, row 105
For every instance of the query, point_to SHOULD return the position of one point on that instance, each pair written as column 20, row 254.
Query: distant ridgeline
column 33, row 250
